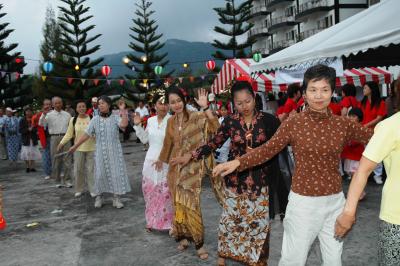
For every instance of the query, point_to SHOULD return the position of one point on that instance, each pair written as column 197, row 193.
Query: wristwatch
column 205, row 109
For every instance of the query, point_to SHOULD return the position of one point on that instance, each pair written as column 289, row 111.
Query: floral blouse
column 244, row 139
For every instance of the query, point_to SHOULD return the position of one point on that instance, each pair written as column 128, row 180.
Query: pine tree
column 50, row 50
column 75, row 50
column 13, row 92
column 146, row 44
column 236, row 17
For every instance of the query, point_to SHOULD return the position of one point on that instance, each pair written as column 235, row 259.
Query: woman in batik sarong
column 244, row 225
column 159, row 211
column 185, row 132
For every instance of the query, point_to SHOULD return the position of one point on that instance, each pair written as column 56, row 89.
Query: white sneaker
column 98, row 202
column 68, row 184
column 47, row 177
column 93, row 195
column 117, row 203
column 78, row 194
column 378, row 179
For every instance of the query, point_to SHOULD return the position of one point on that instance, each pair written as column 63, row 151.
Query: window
column 289, row 11
column 290, row 35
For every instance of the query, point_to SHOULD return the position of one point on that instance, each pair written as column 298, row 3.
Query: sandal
column 202, row 253
column 148, row 230
column 183, row 244
column 220, row 261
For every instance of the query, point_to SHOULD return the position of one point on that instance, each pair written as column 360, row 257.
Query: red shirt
column 279, row 111
column 372, row 113
column 350, row 101
column 289, row 106
column 353, row 151
column 300, row 103
column 335, row 108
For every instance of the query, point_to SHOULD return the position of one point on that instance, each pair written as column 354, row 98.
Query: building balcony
column 308, row 33
column 258, row 32
column 312, row 7
column 280, row 22
column 279, row 45
column 272, row 3
column 259, row 11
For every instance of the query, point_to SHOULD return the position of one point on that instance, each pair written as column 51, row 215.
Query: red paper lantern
column 210, row 65
column 106, row 70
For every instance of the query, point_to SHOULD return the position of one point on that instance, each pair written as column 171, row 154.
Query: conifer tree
column 235, row 16
column 13, row 93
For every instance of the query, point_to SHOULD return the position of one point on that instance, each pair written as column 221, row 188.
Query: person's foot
column 378, row 179
column 148, row 230
column 68, row 185
column 78, row 194
column 117, row 202
column 183, row 244
column 202, row 253
column 33, row 170
column 60, row 185
column 47, row 177
column 98, row 203
column 93, row 195
column 28, row 170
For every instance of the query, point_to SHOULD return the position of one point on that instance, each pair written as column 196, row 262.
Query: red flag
column 69, row 80
column 95, row 82
column 121, row 82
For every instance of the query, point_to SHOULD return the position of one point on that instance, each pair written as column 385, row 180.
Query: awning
column 266, row 81
column 377, row 27
column 233, row 68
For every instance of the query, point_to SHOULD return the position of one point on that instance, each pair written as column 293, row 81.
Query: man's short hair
column 320, row 72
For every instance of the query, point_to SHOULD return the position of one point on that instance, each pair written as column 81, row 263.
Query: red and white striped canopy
column 239, row 67
column 233, row 68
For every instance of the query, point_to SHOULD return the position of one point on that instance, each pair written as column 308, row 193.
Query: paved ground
column 82, row 235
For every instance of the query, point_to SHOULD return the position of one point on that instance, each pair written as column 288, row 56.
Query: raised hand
column 224, row 169
column 136, row 119
column 202, row 98
column 121, row 105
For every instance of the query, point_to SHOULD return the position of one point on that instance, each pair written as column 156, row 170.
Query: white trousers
column 306, row 219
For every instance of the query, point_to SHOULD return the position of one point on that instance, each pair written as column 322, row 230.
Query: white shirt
column 142, row 111
column 56, row 122
column 154, row 135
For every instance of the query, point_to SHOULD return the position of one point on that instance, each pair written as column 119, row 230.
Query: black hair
column 319, row 72
column 281, row 95
column 375, row 95
column 177, row 91
column 156, row 98
column 240, row 86
column 293, row 89
column 281, row 101
column 108, row 101
column 26, row 109
column 357, row 112
column 349, row 89
column 271, row 97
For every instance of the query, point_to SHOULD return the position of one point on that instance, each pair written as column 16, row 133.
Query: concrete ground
column 82, row 235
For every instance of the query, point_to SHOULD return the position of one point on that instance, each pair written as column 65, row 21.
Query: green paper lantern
column 158, row 70
column 257, row 57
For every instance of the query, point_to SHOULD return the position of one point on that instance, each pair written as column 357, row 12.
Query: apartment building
column 281, row 23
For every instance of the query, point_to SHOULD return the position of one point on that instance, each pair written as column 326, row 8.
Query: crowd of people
column 245, row 147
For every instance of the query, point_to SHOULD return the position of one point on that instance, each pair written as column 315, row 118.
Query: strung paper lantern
column 48, row 67
column 106, row 70
column 257, row 57
column 210, row 65
column 158, row 70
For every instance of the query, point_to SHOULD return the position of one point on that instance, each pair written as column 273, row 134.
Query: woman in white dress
column 159, row 211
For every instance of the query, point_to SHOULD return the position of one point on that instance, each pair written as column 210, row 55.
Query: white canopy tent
column 374, row 27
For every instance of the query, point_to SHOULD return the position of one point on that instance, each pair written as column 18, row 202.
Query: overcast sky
column 191, row 20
